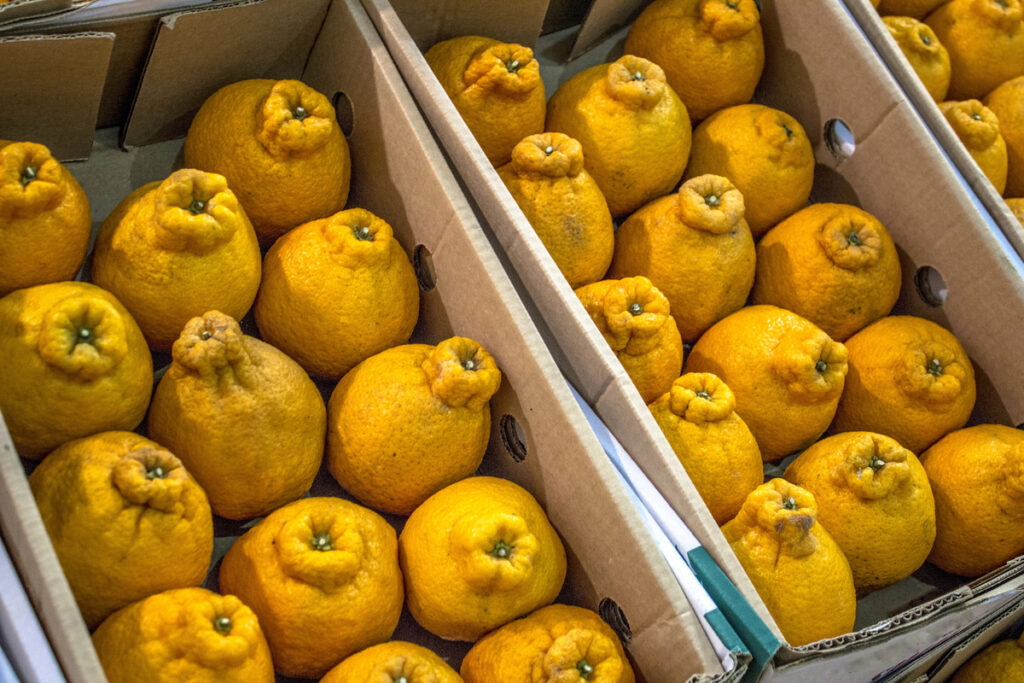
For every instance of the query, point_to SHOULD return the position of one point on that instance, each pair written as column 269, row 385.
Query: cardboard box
column 819, row 68
column 23, row 9
column 540, row 438
column 1004, row 220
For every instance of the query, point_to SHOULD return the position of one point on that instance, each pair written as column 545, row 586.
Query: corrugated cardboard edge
column 23, row 9
column 606, row 385
column 985, row 634
column 518, row 22
column 37, row 563
column 870, row 22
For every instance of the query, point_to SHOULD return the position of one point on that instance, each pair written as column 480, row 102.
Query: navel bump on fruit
column 185, row 634
column 44, row 218
column 245, row 418
column 396, row 661
column 75, row 363
column 978, row 129
column 926, row 54
column 411, row 420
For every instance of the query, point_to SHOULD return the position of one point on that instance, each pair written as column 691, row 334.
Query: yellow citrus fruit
column 712, row 51
column 563, row 204
column 393, row 661
column 927, row 56
column 1007, row 103
column 909, row 379
column 337, row 291
column 634, row 129
column 785, row 372
column 173, row 250
column 409, row 421
column 45, row 223
column 985, row 40
column 125, row 518
column 764, row 152
column 476, row 555
column 695, row 247
column 874, row 499
column 245, row 419
column 635, row 319
column 74, row 363
column 918, row 9
column 795, row 565
column 185, row 634
column 977, row 475
column 1017, row 207
column 1001, row 661
column 280, row 147
column 495, row 87
column 834, row 264
column 555, row 643
column 712, row 442
column 322, row 576
column 978, row 130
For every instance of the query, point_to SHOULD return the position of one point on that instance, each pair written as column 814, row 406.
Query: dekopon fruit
column 926, row 54
column 393, row 661
column 978, row 129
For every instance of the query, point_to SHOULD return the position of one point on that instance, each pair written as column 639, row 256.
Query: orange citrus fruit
column 927, row 56
column 125, row 519
column 495, row 87
column 1001, row 661
column 563, row 204
column 785, row 372
column 45, row 223
column 695, row 247
column 392, row 662
column 280, row 147
column 322, row 576
column 476, row 555
column 764, row 152
column 245, row 419
column 74, row 363
column 795, row 565
column 978, row 130
column 634, row 129
column 185, row 634
column 635, row 319
column 1017, row 208
column 909, row 379
column 712, row 442
column 712, row 51
column 1007, row 103
column 336, row 291
column 834, row 264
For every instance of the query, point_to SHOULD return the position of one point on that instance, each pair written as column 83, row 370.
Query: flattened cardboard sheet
column 511, row 22
column 22, row 9
column 194, row 53
column 51, row 88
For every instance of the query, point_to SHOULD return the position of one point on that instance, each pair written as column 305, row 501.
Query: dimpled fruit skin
column 1017, row 208
column 45, row 405
column 812, row 265
column 393, row 661
column 1007, row 103
column 500, row 106
column 552, row 644
column 477, row 555
column 890, row 390
column 927, row 56
column 121, row 533
column 1001, row 661
column 985, row 41
column 769, row 358
column 278, row 189
column 764, row 152
column 978, row 129
column 635, row 132
column 46, row 223
column 173, row 636
column 322, row 576
column 709, row 68
column 884, row 519
column 918, row 9
column 977, row 475
column 245, row 418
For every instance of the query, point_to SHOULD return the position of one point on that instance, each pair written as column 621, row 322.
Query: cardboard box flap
column 21, row 9
column 429, row 23
column 603, row 18
column 196, row 52
column 51, row 88
column 563, row 14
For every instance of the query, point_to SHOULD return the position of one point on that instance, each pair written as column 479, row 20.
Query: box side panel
column 22, row 9
column 431, row 21
column 603, row 18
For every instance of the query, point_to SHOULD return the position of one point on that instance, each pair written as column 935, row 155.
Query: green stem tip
column 28, row 175
column 197, row 206
column 821, row 366
column 322, row 542
column 853, row 239
column 585, row 669
column 299, row 113
column 704, row 395
column 512, row 66
column 156, row 472
column 223, row 625
column 876, row 463
column 635, row 309
column 935, row 367
column 363, row 234
column 788, row 503
column 502, row 550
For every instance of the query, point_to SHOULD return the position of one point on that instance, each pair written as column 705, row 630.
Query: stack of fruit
column 971, row 52
column 237, row 427
column 792, row 335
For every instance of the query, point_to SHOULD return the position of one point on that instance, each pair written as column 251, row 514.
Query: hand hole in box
column 512, row 437
column 423, row 266
column 613, row 615
column 931, row 287
column 343, row 112
column 839, row 139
